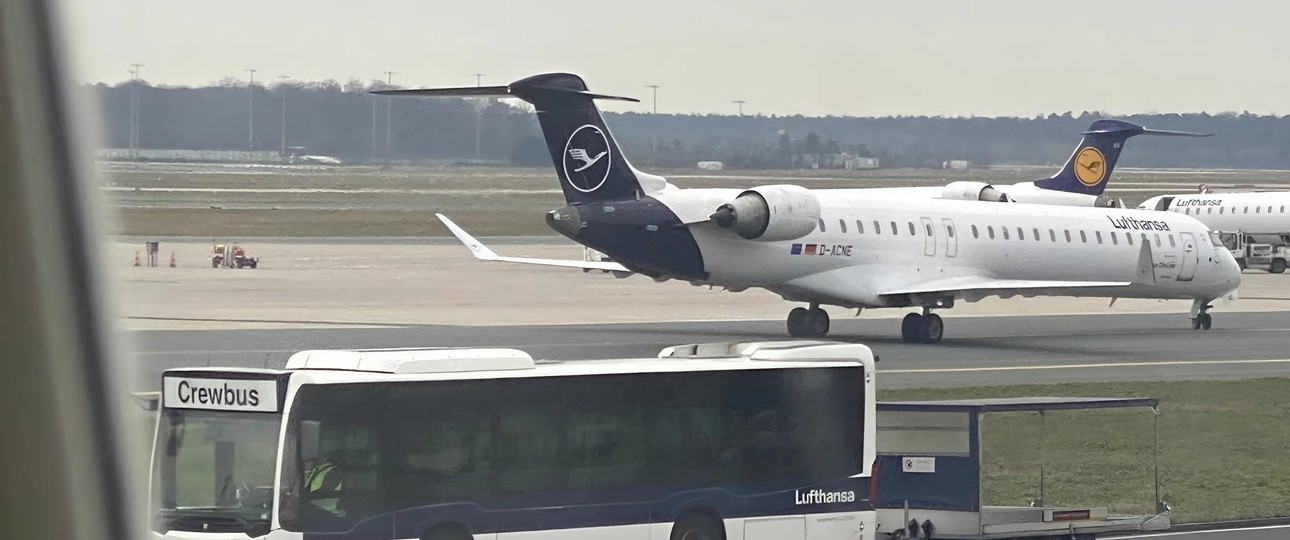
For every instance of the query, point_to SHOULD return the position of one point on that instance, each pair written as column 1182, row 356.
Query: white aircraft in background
column 1255, row 213
column 1080, row 182
column 845, row 247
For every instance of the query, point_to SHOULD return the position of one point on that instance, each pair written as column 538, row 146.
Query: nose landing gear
column 1201, row 319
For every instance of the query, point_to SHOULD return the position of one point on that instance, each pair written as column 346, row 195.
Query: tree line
column 345, row 121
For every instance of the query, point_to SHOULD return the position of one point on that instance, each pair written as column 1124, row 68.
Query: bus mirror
column 309, row 441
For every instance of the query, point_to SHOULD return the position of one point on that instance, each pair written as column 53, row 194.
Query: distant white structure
column 957, row 164
column 711, row 165
column 230, row 156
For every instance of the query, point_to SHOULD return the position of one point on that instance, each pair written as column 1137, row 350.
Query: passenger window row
column 1006, row 233
column 1196, row 211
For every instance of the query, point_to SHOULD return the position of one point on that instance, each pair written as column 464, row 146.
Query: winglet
column 479, row 250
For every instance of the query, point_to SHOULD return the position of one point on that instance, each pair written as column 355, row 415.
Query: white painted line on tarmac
column 1089, row 366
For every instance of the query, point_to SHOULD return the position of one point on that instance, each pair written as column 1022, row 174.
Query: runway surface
column 976, row 350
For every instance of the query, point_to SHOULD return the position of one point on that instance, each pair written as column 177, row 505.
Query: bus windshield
column 634, row 442
column 214, row 471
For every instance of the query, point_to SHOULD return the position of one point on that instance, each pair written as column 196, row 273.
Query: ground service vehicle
column 761, row 441
column 1251, row 254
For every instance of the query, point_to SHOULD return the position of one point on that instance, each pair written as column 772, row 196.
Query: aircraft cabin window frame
column 1128, row 238
column 859, row 226
column 1005, row 233
column 877, row 228
column 1115, row 240
column 1021, row 233
column 975, row 232
column 1068, row 236
column 1211, row 210
column 1037, row 237
column 1172, row 242
column 928, row 227
column 1083, row 237
column 1158, row 243
column 1247, row 210
column 1098, row 235
column 912, row 232
column 1258, row 210
column 1220, row 210
column 949, row 231
column 1052, row 236
column 1283, row 209
column 842, row 225
column 822, row 225
column 990, row 230
column 894, row 231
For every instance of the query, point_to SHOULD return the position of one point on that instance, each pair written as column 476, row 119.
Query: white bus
column 752, row 441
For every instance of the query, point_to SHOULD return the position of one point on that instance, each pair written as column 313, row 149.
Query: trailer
column 929, row 479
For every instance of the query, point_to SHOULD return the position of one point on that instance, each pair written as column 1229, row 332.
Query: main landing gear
column 926, row 327
column 804, row 322
column 1202, row 320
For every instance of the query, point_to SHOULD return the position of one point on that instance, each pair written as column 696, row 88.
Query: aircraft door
column 929, row 242
column 1190, row 257
column 951, row 238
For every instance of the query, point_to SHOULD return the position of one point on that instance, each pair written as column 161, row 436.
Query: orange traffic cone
column 136, row 259
column 172, row 259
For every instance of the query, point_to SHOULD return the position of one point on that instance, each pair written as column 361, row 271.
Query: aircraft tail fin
column 1089, row 168
column 587, row 159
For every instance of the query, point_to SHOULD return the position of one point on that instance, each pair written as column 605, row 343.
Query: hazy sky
column 813, row 57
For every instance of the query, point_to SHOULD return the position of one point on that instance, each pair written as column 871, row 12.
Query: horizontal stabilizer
column 1167, row 133
column 951, row 285
column 483, row 253
column 496, row 91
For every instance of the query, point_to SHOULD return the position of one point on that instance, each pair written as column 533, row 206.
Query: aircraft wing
column 481, row 252
column 988, row 284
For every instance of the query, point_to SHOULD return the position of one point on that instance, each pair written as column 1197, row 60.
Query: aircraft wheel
column 1206, row 320
column 796, row 322
column 911, row 328
column 933, row 328
column 1195, row 322
column 818, row 322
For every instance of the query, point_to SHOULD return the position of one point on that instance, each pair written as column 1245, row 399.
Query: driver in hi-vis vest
column 324, row 483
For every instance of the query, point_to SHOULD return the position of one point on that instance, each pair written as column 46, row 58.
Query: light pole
column 740, row 102
column 389, row 81
column 250, row 99
column 654, row 87
column 134, row 109
column 282, row 87
column 479, row 79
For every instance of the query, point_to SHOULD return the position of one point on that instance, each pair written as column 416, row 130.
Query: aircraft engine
column 964, row 190
column 770, row 213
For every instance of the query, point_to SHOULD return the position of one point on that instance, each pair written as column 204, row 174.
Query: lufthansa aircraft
column 1257, row 213
column 844, row 247
column 1080, row 182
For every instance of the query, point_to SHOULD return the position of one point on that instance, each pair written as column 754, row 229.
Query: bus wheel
column 448, row 532
column 1278, row 266
column 696, row 527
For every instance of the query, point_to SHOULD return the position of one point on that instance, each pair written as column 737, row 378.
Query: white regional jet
column 1257, row 213
column 1080, row 182
column 841, row 246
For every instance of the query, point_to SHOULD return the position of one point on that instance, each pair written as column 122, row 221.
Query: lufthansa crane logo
column 1090, row 167
column 587, row 159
